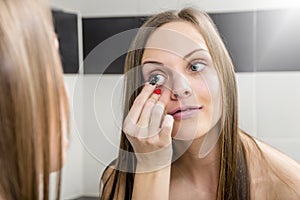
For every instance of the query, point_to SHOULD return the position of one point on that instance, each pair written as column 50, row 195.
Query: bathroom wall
column 268, row 100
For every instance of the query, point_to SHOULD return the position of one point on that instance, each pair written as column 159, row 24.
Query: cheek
column 209, row 86
column 208, row 93
column 215, row 103
column 202, row 92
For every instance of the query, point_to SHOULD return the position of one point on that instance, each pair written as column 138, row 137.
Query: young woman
column 180, row 137
column 34, row 111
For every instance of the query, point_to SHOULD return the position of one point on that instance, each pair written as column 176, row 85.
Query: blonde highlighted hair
column 33, row 100
column 234, row 182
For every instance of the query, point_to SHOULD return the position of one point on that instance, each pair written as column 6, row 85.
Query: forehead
column 179, row 38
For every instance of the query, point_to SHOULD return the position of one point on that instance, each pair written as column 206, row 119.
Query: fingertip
column 160, row 103
column 154, row 97
column 157, row 91
column 148, row 84
column 167, row 126
column 164, row 96
column 168, row 121
column 149, row 89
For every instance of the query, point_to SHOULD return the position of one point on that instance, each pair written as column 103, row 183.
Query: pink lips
column 185, row 112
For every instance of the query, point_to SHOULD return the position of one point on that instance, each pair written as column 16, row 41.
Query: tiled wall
column 269, row 108
column 268, row 100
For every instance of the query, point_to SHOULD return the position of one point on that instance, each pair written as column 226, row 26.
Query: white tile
column 246, row 83
column 277, row 104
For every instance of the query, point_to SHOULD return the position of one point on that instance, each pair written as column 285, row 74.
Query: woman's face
column 177, row 55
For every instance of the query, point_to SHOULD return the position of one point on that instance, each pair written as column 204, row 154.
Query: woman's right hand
column 148, row 129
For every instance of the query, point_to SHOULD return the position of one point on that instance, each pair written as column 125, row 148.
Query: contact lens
column 154, row 80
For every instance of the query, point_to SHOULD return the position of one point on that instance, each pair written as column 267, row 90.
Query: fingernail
column 157, row 91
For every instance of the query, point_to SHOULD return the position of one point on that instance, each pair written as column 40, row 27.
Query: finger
column 156, row 117
column 129, row 128
column 139, row 102
column 144, row 119
column 166, row 128
column 165, row 96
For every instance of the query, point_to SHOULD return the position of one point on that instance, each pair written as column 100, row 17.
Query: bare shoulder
column 108, row 172
column 281, row 161
column 105, row 181
column 107, row 184
column 271, row 169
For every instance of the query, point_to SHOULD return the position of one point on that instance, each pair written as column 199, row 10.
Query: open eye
column 197, row 66
column 157, row 79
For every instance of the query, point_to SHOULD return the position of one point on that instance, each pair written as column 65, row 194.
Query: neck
column 200, row 160
column 192, row 161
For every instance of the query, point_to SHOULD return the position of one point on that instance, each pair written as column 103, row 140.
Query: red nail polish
column 157, row 91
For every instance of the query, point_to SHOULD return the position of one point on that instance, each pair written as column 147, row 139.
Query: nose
column 181, row 94
column 181, row 88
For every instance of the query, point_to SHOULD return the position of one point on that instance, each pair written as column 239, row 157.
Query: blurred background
column 261, row 36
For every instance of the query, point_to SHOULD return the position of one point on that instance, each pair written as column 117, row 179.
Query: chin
column 190, row 129
column 188, row 133
column 187, row 137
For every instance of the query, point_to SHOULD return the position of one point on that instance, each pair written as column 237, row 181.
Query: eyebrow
column 153, row 62
column 184, row 57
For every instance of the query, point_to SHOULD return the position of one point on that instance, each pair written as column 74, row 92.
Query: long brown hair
column 33, row 101
column 233, row 175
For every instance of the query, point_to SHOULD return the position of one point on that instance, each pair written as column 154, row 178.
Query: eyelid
column 151, row 68
column 198, row 61
column 156, row 71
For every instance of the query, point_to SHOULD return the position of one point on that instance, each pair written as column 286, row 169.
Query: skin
column 181, row 86
column 150, row 126
column 187, row 78
column 200, row 87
